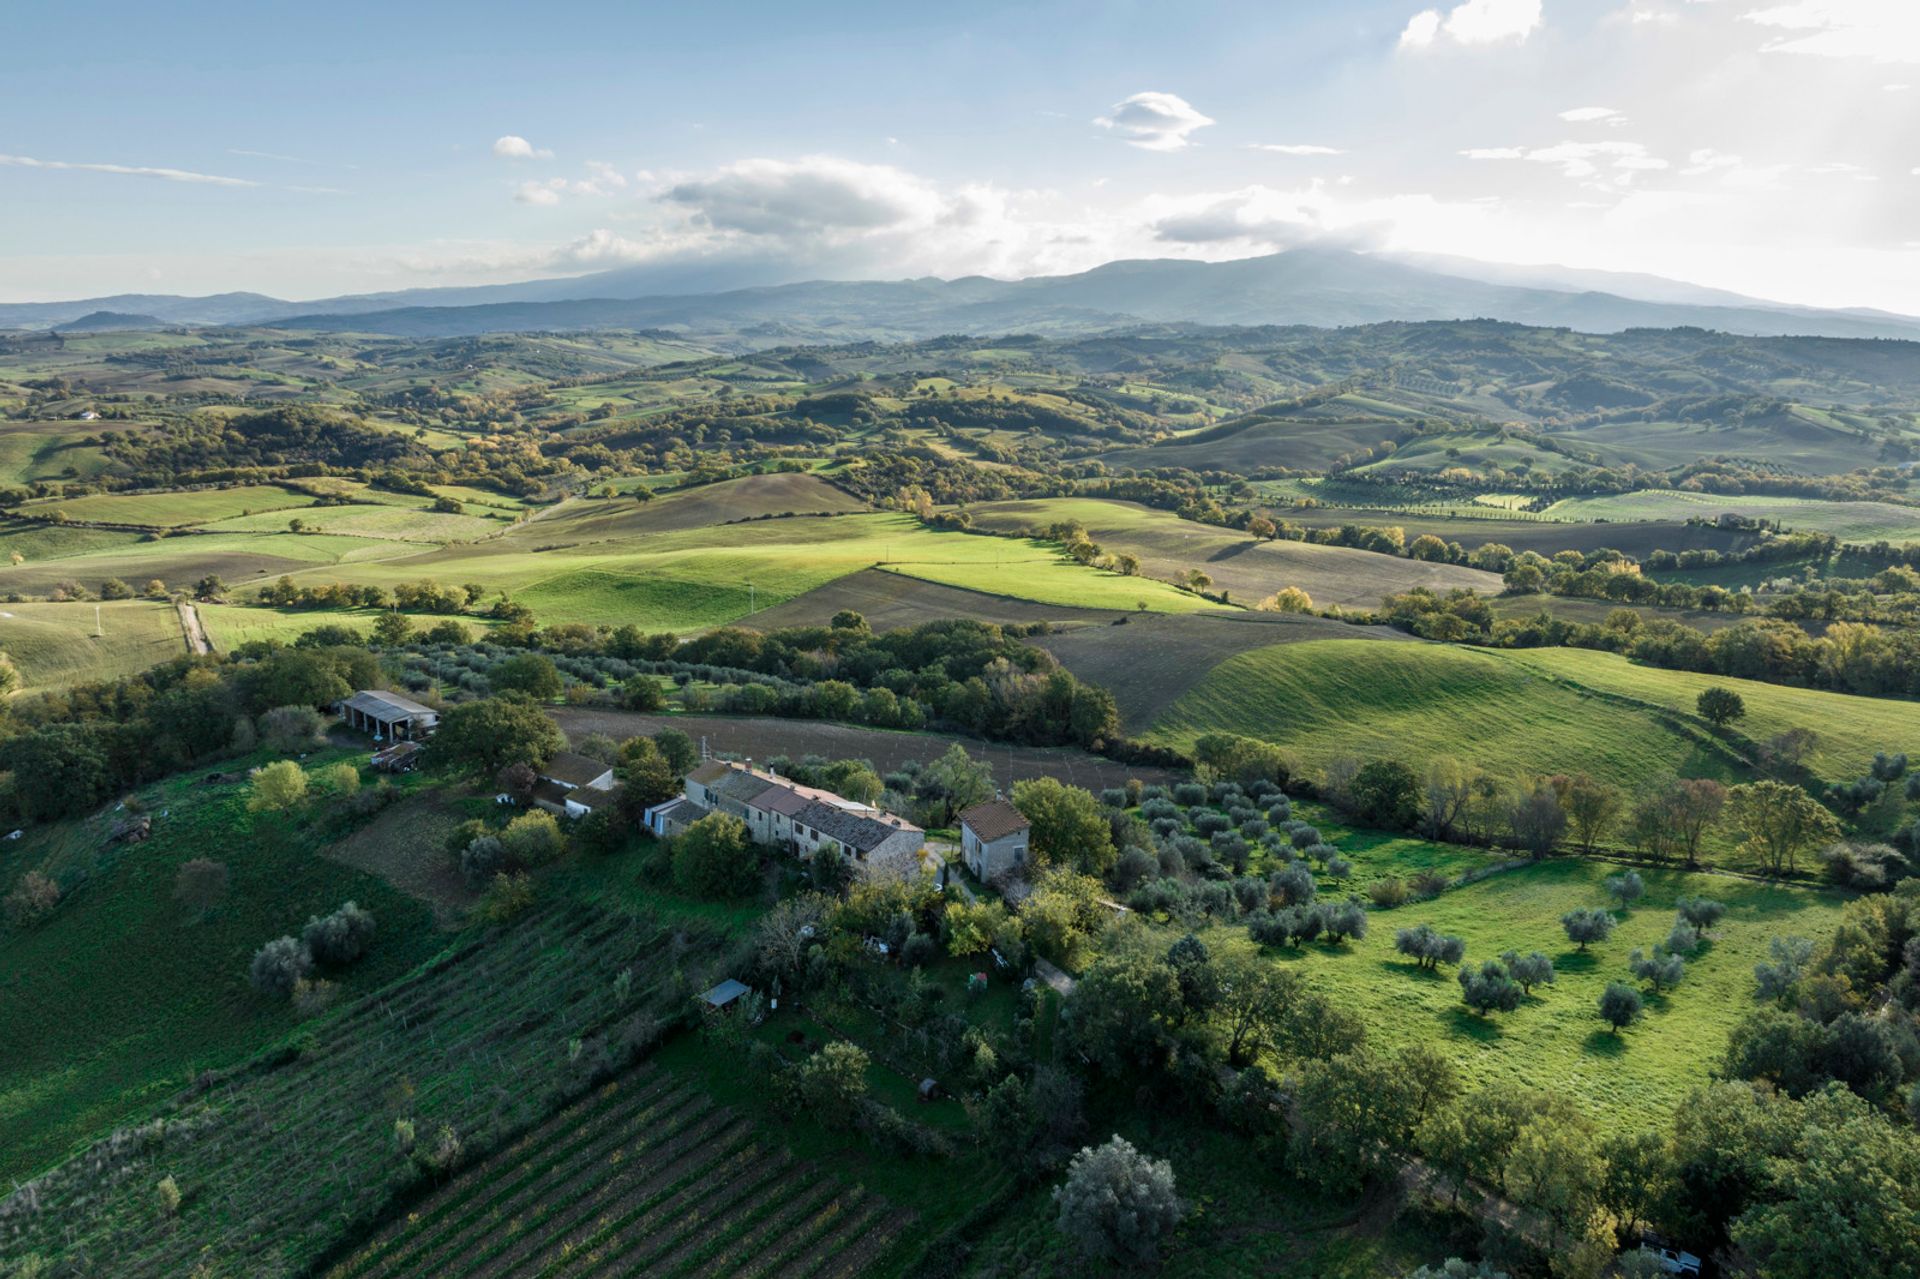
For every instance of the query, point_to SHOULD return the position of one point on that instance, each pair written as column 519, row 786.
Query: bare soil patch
column 405, row 846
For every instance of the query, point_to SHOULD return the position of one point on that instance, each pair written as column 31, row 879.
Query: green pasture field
column 1556, row 1040
column 1850, row 729
column 686, row 578
column 1805, row 440
column 116, row 1000
column 389, row 522
column 1848, row 521
column 37, row 542
column 231, row 625
column 1474, row 450
column 170, row 509
column 59, row 645
column 1169, row 547
column 34, row 451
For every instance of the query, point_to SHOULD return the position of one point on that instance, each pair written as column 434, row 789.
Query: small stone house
column 573, row 785
column 993, row 839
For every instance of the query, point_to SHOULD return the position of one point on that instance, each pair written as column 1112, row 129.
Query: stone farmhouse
column 993, row 839
column 800, row 819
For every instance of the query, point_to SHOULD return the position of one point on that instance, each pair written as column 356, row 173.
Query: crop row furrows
column 730, row 1212
column 873, row 1244
column 719, row 1187
column 714, row 1139
column 816, row 1226
column 561, row 1131
column 825, row 1247
column 812, row 1194
column 479, row 1197
column 500, row 1220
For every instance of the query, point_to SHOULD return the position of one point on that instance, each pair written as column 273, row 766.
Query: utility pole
column 99, row 632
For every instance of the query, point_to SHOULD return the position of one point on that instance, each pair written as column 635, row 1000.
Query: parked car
column 1676, row 1262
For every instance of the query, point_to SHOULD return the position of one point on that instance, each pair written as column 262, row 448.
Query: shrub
column 288, row 730
column 168, row 1195
column 313, row 996
column 1113, row 797
column 33, row 898
column 483, row 859
column 832, row 1083
column 1389, row 892
column 1339, row 868
column 1188, row 794
column 277, row 787
column 1429, row 884
column 339, row 938
column 278, row 966
column 1116, row 1204
column 532, row 839
column 506, row 897
column 200, row 885
column 342, row 778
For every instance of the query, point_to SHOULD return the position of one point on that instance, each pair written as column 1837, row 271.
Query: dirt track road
column 197, row 642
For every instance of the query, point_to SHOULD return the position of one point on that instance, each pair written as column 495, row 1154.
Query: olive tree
column 1529, row 970
column 1117, row 1205
column 1587, row 925
column 1428, row 947
column 1620, row 1005
column 1489, row 988
column 278, row 966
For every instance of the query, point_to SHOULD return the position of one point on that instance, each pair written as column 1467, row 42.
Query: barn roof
column 574, row 770
column 386, row 707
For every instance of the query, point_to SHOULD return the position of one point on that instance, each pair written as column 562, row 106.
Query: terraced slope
column 646, row 1176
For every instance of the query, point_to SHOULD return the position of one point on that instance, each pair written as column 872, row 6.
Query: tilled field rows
column 646, row 1176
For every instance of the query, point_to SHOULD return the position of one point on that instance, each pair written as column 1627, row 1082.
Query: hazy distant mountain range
column 1311, row 286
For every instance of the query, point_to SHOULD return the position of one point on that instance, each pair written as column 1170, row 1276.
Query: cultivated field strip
column 488, row 1040
column 645, row 1176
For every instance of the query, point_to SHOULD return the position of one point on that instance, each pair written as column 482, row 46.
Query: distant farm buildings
column 801, row 819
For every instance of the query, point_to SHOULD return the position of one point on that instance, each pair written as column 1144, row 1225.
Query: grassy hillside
column 119, row 998
column 1416, row 701
column 56, row 645
column 1850, row 729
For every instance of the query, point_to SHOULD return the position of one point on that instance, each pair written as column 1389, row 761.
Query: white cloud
column 1155, row 121
column 1707, row 160
column 512, row 146
column 1473, row 22
column 811, row 195
column 1593, row 115
column 1294, row 148
column 539, row 192
column 1879, row 30
column 1604, row 166
column 129, row 170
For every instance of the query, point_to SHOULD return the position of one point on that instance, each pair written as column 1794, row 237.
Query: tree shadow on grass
column 1464, row 1021
column 1605, row 1043
column 1575, row 961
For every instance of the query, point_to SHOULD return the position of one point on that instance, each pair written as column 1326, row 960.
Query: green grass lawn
column 59, row 645
column 379, row 520
column 231, row 625
column 1555, row 1040
column 116, row 1001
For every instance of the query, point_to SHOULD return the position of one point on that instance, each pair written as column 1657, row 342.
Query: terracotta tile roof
column 995, row 819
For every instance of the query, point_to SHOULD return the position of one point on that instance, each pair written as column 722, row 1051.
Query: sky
column 1769, row 147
